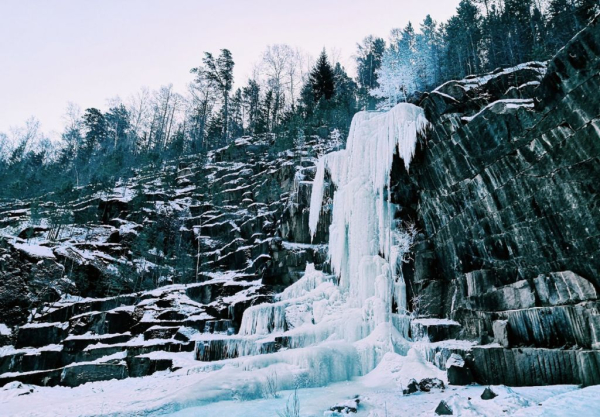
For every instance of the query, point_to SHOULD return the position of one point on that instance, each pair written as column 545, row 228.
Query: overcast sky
column 87, row 51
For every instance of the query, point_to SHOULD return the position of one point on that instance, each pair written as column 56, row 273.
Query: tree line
column 483, row 35
column 287, row 98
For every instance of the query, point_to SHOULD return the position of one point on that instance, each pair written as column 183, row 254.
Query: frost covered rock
column 500, row 329
column 346, row 407
column 427, row 384
column 41, row 334
column 457, row 370
column 75, row 375
column 411, row 388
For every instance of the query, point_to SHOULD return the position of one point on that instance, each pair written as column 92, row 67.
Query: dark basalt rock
column 76, row 375
column 411, row 388
column 143, row 366
column 488, row 394
column 506, row 201
column 535, row 366
column 37, row 335
column 443, row 409
column 427, row 384
column 459, row 375
column 348, row 407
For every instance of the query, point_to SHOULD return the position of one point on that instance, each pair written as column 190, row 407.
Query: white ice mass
column 349, row 313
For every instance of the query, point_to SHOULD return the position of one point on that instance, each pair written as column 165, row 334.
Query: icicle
column 316, row 197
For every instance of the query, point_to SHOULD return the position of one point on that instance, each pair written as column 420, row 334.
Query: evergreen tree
column 427, row 53
column 368, row 61
column 463, row 41
column 322, row 78
column 251, row 103
column 219, row 71
column 95, row 129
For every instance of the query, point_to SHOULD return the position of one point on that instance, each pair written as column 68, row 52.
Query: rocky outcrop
column 505, row 193
column 243, row 212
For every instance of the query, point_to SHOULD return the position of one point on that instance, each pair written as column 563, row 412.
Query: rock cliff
column 505, row 193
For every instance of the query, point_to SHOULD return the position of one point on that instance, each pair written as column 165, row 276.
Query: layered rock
column 505, row 195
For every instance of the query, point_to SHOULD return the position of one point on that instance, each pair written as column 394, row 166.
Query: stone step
column 160, row 332
column 534, row 366
column 29, row 361
column 66, row 312
column 434, row 330
column 80, row 373
column 115, row 321
column 41, row 334
column 78, row 343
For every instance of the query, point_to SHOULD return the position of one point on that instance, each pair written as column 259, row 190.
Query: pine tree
column 322, row 78
column 368, row 61
column 95, row 129
column 251, row 101
column 428, row 46
column 219, row 71
column 463, row 40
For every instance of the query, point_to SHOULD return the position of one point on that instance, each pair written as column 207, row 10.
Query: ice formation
column 350, row 312
column 363, row 216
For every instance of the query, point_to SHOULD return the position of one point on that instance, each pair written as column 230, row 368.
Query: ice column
column 363, row 245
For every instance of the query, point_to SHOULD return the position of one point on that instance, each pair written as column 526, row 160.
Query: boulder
column 346, row 407
column 411, row 388
column 443, row 409
column 457, row 370
column 41, row 334
column 488, row 394
column 427, row 384
column 78, row 374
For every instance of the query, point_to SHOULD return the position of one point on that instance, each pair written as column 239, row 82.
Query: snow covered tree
column 398, row 76
column 428, row 48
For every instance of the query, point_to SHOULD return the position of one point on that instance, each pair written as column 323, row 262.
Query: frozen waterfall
column 351, row 311
column 363, row 217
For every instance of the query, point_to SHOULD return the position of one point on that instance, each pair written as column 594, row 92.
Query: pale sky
column 87, row 51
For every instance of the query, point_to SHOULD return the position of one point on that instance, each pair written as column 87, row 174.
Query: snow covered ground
column 232, row 390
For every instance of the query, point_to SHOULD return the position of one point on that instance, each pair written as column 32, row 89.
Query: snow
column 35, row 251
column 40, row 325
column 434, row 322
column 4, row 330
column 470, row 83
column 338, row 331
column 237, row 390
column 499, row 105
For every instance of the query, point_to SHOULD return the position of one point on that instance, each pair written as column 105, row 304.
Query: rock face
column 505, row 191
column 243, row 212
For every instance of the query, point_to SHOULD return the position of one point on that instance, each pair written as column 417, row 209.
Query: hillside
column 450, row 241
